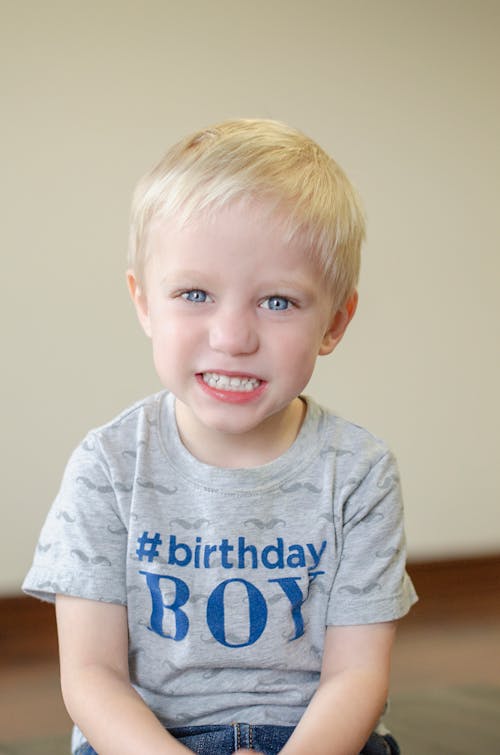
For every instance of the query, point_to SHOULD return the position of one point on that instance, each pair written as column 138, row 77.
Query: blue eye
column 196, row 296
column 276, row 303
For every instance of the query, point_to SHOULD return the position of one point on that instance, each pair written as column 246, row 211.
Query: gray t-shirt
column 229, row 575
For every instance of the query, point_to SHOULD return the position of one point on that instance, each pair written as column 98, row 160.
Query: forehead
column 242, row 229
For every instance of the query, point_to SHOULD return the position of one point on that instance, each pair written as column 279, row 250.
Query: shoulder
column 356, row 460
column 145, row 410
column 132, row 424
column 341, row 438
column 114, row 446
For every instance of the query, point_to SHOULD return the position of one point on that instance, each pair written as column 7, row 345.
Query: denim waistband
column 207, row 740
column 224, row 739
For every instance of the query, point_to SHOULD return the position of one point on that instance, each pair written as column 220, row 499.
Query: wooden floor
column 445, row 681
column 426, row 659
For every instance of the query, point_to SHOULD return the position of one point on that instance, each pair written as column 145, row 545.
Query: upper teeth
column 230, row 383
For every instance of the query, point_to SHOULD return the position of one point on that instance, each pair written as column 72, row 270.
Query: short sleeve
column 82, row 546
column 371, row 583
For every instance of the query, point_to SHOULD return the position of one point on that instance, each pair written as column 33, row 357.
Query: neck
column 246, row 450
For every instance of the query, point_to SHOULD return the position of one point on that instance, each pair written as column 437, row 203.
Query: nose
column 233, row 331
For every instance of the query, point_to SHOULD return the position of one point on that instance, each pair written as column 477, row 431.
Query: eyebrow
column 193, row 277
column 181, row 275
column 297, row 285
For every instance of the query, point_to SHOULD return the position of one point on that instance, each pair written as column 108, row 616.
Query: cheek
column 298, row 357
column 301, row 344
column 170, row 337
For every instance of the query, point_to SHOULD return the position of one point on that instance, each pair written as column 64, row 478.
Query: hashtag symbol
column 148, row 546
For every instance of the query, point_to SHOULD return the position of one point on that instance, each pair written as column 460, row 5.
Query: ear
column 338, row 325
column 138, row 296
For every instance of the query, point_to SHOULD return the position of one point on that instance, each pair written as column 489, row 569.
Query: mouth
column 230, row 383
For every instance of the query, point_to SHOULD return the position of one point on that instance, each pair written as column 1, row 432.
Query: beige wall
column 404, row 95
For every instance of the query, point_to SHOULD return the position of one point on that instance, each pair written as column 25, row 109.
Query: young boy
column 227, row 557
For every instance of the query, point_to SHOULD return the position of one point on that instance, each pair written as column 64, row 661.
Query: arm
column 352, row 692
column 93, row 647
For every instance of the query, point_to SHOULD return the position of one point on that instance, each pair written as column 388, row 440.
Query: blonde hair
column 262, row 160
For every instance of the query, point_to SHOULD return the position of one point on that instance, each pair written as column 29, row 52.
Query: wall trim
column 450, row 590
column 460, row 589
column 27, row 630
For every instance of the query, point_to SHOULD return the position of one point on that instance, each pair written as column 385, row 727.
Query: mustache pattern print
column 44, row 548
column 337, row 451
column 64, row 515
column 189, row 525
column 86, row 560
column 159, row 488
column 264, row 525
column 301, row 486
column 133, row 454
column 388, row 482
column 352, row 590
column 104, row 488
column 54, row 586
column 119, row 531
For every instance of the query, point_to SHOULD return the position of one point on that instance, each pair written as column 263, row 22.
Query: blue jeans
column 224, row 740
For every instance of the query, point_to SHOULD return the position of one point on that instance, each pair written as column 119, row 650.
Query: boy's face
column 237, row 318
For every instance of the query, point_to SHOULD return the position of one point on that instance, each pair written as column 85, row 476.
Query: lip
column 232, row 397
